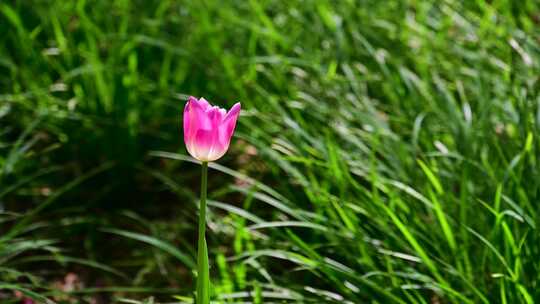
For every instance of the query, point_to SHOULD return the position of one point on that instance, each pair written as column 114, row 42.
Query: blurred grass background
column 387, row 151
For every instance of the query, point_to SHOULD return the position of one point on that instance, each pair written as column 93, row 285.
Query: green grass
column 387, row 151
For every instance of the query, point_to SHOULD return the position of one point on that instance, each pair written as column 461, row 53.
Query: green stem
column 203, row 273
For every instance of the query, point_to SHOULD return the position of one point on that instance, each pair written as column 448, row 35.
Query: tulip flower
column 208, row 129
column 207, row 134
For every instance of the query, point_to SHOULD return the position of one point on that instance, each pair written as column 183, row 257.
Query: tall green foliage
column 388, row 152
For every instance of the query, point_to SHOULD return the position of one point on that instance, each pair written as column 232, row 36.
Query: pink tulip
column 208, row 129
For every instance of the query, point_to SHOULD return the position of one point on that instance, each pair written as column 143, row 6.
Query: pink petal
column 208, row 129
column 186, row 120
column 215, row 115
column 233, row 112
column 226, row 129
column 207, row 146
column 195, row 118
column 203, row 103
column 202, row 144
column 200, row 117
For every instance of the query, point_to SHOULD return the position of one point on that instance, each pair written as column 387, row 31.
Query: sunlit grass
column 387, row 153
